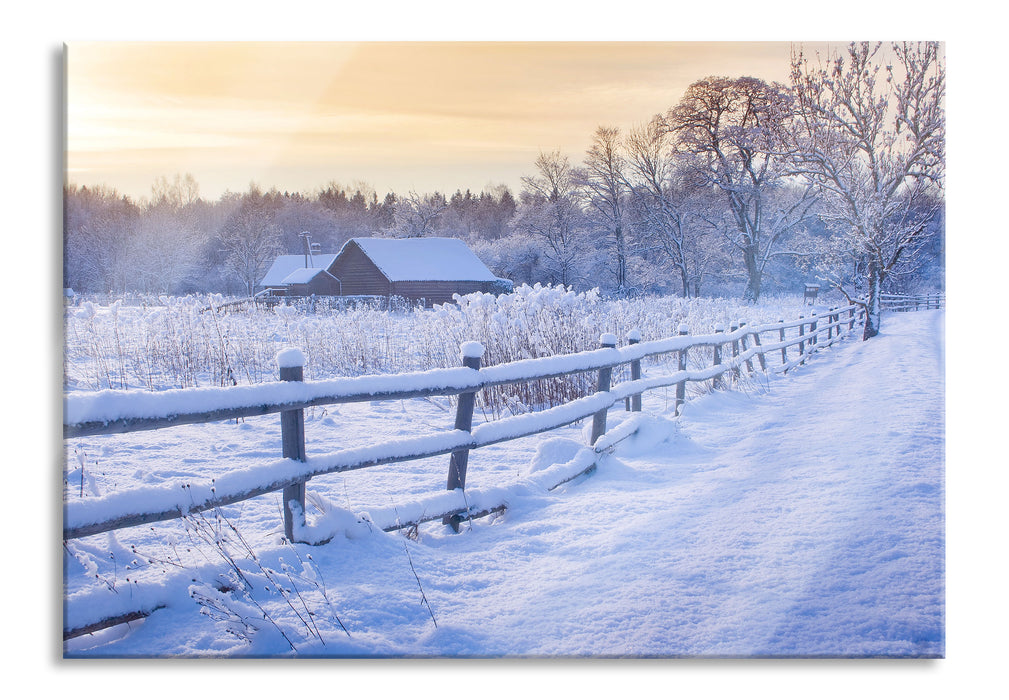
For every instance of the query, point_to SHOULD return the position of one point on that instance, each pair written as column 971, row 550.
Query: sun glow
column 401, row 116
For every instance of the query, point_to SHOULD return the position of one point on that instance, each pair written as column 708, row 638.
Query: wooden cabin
column 306, row 281
column 420, row 269
column 428, row 269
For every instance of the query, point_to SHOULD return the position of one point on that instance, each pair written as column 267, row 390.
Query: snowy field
column 801, row 516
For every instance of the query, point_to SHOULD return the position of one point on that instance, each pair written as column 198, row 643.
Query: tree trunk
column 753, row 273
column 872, row 310
column 752, row 292
column 618, row 234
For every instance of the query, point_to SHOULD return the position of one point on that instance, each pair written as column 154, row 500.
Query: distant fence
column 912, row 302
column 776, row 347
column 313, row 303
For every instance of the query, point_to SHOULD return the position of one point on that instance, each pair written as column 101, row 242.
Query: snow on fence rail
column 115, row 411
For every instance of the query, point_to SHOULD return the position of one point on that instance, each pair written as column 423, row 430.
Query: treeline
column 742, row 187
column 176, row 242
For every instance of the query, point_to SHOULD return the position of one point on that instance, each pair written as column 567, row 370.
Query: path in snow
column 804, row 516
column 804, row 519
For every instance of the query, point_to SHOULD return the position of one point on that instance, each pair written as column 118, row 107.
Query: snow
column 471, row 348
column 802, row 516
column 425, row 259
column 303, row 275
column 291, row 357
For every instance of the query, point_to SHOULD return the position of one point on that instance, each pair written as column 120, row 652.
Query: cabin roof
column 424, row 259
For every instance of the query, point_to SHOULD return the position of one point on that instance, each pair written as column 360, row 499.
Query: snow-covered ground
column 803, row 516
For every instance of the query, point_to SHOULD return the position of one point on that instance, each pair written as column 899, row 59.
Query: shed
column 306, row 281
column 429, row 269
column 809, row 296
column 285, row 265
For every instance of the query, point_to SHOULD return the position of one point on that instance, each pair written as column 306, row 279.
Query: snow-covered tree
column 729, row 133
column 250, row 238
column 870, row 136
column 170, row 238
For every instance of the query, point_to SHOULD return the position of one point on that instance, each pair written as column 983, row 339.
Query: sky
column 397, row 116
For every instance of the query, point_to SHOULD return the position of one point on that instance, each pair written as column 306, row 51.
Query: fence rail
column 732, row 353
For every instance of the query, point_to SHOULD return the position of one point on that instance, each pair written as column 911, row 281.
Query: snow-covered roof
column 284, row 265
column 304, row 275
column 425, row 259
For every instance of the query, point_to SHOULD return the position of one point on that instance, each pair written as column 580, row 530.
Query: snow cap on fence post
column 684, row 329
column 633, row 336
column 608, row 340
column 471, row 348
column 290, row 357
column 719, row 327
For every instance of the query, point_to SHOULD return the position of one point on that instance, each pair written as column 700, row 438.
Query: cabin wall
column 439, row 292
column 358, row 274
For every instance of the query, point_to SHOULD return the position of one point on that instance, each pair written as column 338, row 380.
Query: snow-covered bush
column 181, row 342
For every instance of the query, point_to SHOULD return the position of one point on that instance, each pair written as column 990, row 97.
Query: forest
column 742, row 187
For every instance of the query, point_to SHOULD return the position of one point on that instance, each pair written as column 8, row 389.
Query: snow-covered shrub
column 182, row 342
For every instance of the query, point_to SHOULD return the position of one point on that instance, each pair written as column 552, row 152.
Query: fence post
column 735, row 351
column 802, row 343
column 851, row 319
column 633, row 338
column 742, row 342
column 458, row 461
column 716, row 358
column 781, row 338
column 606, row 340
column 681, row 386
column 830, row 324
column 760, row 354
column 292, row 437
column 812, row 329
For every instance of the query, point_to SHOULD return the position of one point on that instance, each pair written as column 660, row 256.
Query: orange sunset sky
column 398, row 116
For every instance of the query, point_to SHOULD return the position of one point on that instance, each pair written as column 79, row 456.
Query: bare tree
column 729, row 133
column 671, row 217
column 870, row 136
column 605, row 185
column 548, row 210
column 181, row 192
column 416, row 216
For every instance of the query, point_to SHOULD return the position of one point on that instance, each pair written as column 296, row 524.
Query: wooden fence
column 912, row 302
column 776, row 347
